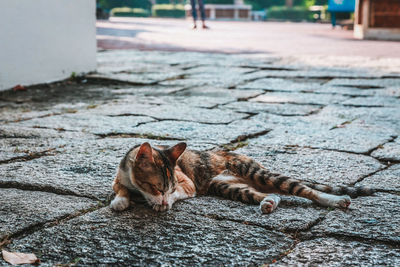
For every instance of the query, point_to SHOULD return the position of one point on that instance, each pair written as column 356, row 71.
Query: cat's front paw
column 269, row 203
column 161, row 207
column 119, row 203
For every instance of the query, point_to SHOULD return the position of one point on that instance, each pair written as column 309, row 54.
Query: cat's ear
column 175, row 151
column 145, row 152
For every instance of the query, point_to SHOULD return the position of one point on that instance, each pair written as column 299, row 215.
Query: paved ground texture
column 311, row 119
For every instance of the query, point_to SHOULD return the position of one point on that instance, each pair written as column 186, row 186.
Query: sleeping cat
column 164, row 175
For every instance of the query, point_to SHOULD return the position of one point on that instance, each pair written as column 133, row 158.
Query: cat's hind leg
column 228, row 186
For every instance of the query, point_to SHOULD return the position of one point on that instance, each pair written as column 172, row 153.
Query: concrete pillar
column 212, row 13
column 236, row 14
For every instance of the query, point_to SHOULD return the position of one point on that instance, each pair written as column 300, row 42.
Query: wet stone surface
column 372, row 102
column 24, row 142
column 293, row 214
column 299, row 98
column 355, row 136
column 21, row 209
column 283, row 109
column 333, row 252
column 170, row 112
column 374, row 218
column 141, row 236
column 83, row 122
column 61, row 144
column 216, row 134
column 389, row 151
column 387, row 180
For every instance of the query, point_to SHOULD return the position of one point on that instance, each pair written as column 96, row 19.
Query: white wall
column 45, row 40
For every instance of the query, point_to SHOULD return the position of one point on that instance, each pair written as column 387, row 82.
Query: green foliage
column 297, row 13
column 219, row 2
column 163, row 2
column 129, row 12
column 168, row 11
column 110, row 4
column 263, row 4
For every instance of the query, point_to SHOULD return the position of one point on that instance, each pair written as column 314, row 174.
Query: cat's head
column 152, row 171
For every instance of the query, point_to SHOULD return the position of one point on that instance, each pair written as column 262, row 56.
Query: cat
column 164, row 175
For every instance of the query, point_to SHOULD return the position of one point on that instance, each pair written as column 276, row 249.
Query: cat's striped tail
column 246, row 167
column 351, row 191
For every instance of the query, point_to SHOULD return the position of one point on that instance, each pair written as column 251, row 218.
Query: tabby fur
column 164, row 175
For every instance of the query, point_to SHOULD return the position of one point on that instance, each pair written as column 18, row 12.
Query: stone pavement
column 61, row 144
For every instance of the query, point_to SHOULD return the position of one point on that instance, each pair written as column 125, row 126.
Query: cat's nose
column 164, row 202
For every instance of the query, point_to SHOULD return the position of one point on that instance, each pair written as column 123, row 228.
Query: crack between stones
column 107, row 81
column 287, row 102
column 38, row 117
column 347, row 151
column 192, row 67
column 381, row 145
column 137, row 135
column 368, row 175
column 393, row 192
column 43, row 188
column 47, row 224
column 363, row 106
column 240, row 141
column 31, row 156
column 243, row 99
column 57, row 129
column 169, row 119
column 354, row 238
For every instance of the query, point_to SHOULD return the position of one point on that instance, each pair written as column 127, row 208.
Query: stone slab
column 386, row 118
column 322, row 166
column 22, row 209
column 326, row 132
column 375, row 217
column 293, row 214
column 366, row 84
column 141, row 236
column 345, row 90
column 282, row 84
column 90, row 123
column 125, row 93
column 226, row 77
column 389, row 151
column 321, row 73
column 191, row 101
column 22, row 147
column 373, row 101
column 299, row 98
column 179, row 112
column 23, row 142
column 212, row 92
column 387, row 180
column 215, row 134
column 14, row 131
column 283, row 109
column 333, row 252
column 314, row 85
column 139, row 78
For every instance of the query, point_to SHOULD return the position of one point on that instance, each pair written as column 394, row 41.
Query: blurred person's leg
column 194, row 12
column 202, row 13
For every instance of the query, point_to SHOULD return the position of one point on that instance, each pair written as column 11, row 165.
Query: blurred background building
column 371, row 19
